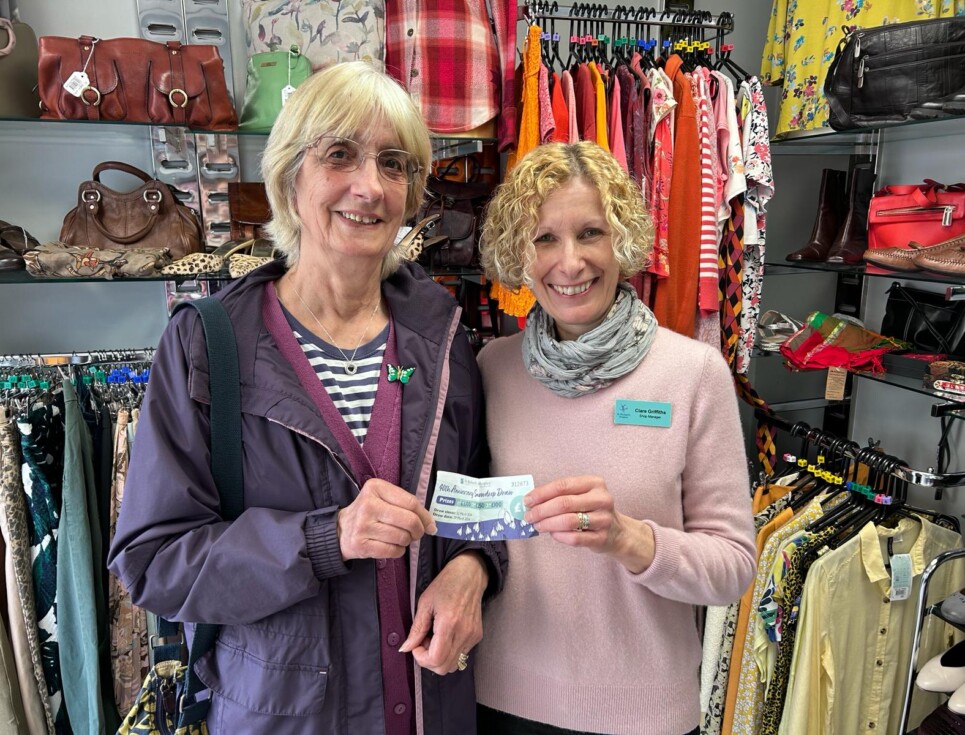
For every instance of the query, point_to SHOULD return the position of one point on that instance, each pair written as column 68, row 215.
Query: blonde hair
column 512, row 217
column 342, row 100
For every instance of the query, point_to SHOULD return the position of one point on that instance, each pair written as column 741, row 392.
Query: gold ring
column 582, row 521
column 463, row 663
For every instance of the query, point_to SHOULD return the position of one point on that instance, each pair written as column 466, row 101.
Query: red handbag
column 927, row 214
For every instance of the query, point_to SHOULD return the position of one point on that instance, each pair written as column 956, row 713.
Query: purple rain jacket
column 299, row 651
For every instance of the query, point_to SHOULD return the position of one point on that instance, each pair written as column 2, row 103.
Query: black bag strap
column 224, row 386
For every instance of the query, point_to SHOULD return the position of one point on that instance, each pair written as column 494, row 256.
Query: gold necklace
column 350, row 367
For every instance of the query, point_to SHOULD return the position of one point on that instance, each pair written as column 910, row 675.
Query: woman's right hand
column 381, row 522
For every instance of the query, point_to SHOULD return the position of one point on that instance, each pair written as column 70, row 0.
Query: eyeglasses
column 345, row 155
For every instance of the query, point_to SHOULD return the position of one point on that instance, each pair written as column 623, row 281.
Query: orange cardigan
column 675, row 303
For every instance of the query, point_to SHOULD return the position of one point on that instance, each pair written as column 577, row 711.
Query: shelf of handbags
column 150, row 233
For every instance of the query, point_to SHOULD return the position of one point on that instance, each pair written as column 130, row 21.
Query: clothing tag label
column 642, row 413
column 286, row 92
column 76, row 83
column 834, row 388
column 481, row 508
column 901, row 575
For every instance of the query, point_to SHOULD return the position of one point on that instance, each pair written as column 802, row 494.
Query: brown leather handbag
column 135, row 80
column 249, row 209
column 148, row 217
column 459, row 204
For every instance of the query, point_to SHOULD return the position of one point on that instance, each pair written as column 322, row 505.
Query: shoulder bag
column 897, row 72
column 459, row 205
column 168, row 700
column 134, row 80
column 148, row 217
column 926, row 320
column 927, row 213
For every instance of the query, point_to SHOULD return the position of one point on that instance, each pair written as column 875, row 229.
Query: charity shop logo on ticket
column 481, row 508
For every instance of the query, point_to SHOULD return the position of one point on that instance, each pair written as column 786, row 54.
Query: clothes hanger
column 618, row 41
column 571, row 60
column 645, row 41
column 854, row 506
column 555, row 37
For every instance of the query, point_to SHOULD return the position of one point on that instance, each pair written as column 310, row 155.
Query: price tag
column 76, row 83
column 901, row 576
column 834, row 388
column 286, row 92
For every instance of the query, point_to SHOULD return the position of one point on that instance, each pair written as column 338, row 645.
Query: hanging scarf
column 578, row 367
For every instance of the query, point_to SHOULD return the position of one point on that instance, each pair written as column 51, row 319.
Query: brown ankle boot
column 827, row 222
column 852, row 240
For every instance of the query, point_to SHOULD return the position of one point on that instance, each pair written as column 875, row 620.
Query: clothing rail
column 104, row 357
column 822, row 439
column 639, row 16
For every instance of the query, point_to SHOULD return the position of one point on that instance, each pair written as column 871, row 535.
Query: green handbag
column 272, row 76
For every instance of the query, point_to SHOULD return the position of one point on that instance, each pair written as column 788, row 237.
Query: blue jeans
column 493, row 722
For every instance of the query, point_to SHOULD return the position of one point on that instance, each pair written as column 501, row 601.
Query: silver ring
column 463, row 663
column 582, row 521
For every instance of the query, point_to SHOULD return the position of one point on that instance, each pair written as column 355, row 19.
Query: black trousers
column 493, row 722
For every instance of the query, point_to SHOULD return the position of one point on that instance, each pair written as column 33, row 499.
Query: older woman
column 340, row 614
column 632, row 435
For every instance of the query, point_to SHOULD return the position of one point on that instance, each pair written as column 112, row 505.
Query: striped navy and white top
column 353, row 395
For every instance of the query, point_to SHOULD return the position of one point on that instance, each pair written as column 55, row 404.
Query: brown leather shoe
column 828, row 219
column 949, row 260
column 906, row 259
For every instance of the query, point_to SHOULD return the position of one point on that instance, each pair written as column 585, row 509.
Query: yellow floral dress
column 803, row 36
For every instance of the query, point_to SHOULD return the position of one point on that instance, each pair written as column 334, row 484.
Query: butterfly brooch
column 399, row 373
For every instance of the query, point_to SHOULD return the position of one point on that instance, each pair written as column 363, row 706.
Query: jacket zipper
column 324, row 446
column 946, row 211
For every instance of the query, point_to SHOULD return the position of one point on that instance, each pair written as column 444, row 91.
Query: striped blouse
column 353, row 395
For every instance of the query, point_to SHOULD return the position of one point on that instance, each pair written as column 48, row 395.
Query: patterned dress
column 42, row 446
column 17, row 538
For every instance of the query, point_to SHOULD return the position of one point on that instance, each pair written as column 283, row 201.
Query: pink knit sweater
column 574, row 639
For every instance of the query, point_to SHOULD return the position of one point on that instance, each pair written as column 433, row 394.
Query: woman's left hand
column 559, row 507
column 448, row 617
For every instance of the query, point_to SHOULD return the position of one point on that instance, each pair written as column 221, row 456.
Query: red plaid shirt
column 444, row 53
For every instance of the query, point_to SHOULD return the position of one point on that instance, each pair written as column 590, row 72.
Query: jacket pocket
column 285, row 690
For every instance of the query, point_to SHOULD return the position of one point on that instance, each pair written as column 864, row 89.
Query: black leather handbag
column 926, row 320
column 897, row 72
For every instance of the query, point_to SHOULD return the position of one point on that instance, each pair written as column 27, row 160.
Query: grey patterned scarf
column 578, row 367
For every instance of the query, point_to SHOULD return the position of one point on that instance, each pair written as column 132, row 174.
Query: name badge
column 642, row 413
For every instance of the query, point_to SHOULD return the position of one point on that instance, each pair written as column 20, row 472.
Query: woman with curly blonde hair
column 632, row 435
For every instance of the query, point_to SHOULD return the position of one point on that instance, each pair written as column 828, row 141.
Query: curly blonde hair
column 344, row 100
column 512, row 217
